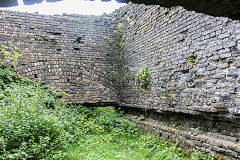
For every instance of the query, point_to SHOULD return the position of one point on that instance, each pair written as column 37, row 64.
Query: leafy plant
column 52, row 36
column 10, row 52
column 121, row 45
column 141, row 76
column 35, row 124
column 120, row 27
column 93, row 45
column 193, row 59
column 115, row 74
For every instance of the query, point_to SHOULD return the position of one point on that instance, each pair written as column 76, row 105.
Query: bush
column 28, row 129
column 34, row 124
column 10, row 52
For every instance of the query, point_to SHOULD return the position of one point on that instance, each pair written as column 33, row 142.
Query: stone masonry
column 193, row 95
column 68, row 52
column 193, row 61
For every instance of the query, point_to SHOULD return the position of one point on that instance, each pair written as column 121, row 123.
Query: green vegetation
column 40, row 38
column 121, row 46
column 35, row 124
column 141, row 76
column 120, row 42
column 193, row 59
column 52, row 36
column 10, row 52
column 142, row 147
column 93, row 45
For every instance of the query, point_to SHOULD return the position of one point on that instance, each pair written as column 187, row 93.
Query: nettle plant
column 10, row 52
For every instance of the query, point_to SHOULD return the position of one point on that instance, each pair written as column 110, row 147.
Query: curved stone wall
column 70, row 53
column 226, row 8
column 193, row 94
column 193, row 60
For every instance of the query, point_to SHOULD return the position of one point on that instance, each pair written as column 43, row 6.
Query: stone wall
column 193, row 61
column 227, row 8
column 192, row 133
column 69, row 52
column 193, row 92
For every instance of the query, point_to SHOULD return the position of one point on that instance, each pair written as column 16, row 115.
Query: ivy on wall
column 140, row 76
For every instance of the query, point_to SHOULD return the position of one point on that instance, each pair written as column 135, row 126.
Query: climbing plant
column 140, row 75
column 40, row 38
column 120, row 41
column 193, row 59
column 120, row 45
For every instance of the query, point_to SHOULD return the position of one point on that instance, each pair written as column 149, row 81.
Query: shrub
column 36, row 125
column 28, row 129
column 141, row 76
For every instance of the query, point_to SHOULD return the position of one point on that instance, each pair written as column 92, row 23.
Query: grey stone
column 225, row 35
column 225, row 95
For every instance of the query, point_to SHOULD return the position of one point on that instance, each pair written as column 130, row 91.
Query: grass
column 98, row 147
column 34, row 124
column 143, row 147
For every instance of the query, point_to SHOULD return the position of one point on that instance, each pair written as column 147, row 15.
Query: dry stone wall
column 193, row 61
column 68, row 52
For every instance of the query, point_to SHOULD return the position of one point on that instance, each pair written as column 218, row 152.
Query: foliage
column 143, row 146
column 10, row 52
column 52, row 36
column 193, row 59
column 40, row 38
column 34, row 124
column 120, row 42
column 141, row 76
column 121, row 45
column 28, row 127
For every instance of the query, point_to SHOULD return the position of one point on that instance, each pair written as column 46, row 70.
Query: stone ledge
column 190, row 140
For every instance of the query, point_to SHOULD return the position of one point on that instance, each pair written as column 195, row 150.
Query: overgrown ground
column 34, row 124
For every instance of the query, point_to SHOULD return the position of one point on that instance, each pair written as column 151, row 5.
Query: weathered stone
column 229, row 44
column 67, row 52
column 225, row 35
column 226, row 55
column 190, row 74
column 225, row 95
column 216, row 8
